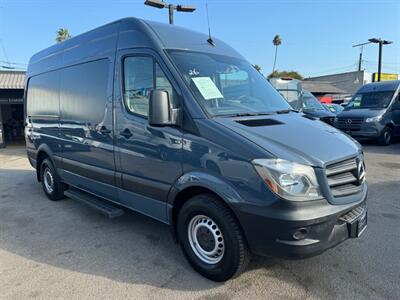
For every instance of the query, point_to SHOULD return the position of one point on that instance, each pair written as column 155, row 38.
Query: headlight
column 290, row 180
column 373, row 119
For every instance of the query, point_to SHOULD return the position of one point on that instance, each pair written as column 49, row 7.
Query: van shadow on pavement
column 131, row 249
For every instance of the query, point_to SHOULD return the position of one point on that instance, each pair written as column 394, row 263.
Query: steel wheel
column 206, row 239
column 387, row 136
column 48, row 180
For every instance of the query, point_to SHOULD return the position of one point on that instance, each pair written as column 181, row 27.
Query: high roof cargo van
column 138, row 115
column 373, row 112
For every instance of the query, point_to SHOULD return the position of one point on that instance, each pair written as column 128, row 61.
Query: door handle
column 126, row 133
column 104, row 130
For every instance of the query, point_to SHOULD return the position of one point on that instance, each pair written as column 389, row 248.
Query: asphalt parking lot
column 67, row 250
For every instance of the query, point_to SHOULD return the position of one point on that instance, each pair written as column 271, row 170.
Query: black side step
column 97, row 203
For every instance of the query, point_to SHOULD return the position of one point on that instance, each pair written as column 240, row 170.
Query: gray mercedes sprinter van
column 373, row 112
column 160, row 120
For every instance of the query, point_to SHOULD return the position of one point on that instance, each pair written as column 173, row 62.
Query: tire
column 52, row 187
column 206, row 216
column 386, row 136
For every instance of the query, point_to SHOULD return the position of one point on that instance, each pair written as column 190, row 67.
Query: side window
column 83, row 91
column 162, row 83
column 43, row 95
column 397, row 102
column 141, row 76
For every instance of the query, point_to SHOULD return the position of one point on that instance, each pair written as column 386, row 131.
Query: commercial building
column 321, row 88
column 348, row 82
column 11, row 107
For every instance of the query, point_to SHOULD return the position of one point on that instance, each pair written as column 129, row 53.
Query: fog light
column 300, row 234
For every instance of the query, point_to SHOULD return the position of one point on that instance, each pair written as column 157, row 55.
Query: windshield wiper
column 249, row 114
column 285, row 111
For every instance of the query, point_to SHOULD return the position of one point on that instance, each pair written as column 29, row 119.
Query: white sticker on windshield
column 207, row 88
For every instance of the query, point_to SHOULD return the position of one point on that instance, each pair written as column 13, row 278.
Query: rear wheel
column 211, row 238
column 386, row 136
column 52, row 187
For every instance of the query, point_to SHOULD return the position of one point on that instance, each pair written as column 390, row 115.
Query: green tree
column 62, row 35
column 291, row 74
column 277, row 41
column 257, row 67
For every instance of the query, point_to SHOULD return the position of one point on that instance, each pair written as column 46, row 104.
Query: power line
column 4, row 52
column 383, row 63
column 13, row 63
column 334, row 69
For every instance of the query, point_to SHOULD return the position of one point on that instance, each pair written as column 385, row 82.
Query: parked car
column 157, row 119
column 334, row 108
column 301, row 99
column 373, row 113
column 310, row 105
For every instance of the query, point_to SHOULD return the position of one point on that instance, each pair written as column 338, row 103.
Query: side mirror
column 160, row 111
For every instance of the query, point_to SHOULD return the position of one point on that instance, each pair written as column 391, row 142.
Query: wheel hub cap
column 48, row 180
column 206, row 239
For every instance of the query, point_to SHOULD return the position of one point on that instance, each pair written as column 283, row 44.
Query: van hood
column 294, row 137
column 361, row 113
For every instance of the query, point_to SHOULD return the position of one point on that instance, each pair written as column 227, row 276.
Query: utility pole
column 360, row 59
column 171, row 14
column 361, row 54
column 171, row 8
column 381, row 43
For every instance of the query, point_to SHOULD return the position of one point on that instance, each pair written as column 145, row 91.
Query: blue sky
column 317, row 35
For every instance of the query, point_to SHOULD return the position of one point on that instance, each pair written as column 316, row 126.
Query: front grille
column 352, row 215
column 349, row 124
column 345, row 177
column 328, row 120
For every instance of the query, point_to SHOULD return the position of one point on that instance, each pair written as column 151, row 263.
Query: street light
column 381, row 43
column 171, row 8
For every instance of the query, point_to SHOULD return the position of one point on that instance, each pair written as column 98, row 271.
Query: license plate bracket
column 359, row 225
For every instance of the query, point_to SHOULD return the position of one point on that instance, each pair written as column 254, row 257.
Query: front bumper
column 325, row 226
column 365, row 131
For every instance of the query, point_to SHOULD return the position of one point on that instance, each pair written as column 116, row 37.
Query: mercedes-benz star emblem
column 348, row 121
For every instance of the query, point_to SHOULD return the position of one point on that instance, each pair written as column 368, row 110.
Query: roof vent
column 259, row 122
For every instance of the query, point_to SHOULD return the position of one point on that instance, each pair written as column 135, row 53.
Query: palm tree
column 276, row 41
column 257, row 67
column 62, row 35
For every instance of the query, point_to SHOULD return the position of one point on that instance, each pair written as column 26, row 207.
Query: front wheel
column 212, row 239
column 386, row 136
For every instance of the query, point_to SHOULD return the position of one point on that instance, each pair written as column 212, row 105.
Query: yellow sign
column 385, row 77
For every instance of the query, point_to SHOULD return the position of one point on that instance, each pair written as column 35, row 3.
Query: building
column 348, row 82
column 11, row 107
column 321, row 88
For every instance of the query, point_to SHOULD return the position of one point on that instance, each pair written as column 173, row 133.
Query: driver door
column 148, row 157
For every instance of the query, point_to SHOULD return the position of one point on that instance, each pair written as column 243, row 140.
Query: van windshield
column 374, row 100
column 310, row 102
column 227, row 86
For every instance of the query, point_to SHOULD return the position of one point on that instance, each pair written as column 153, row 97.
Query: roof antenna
column 209, row 40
